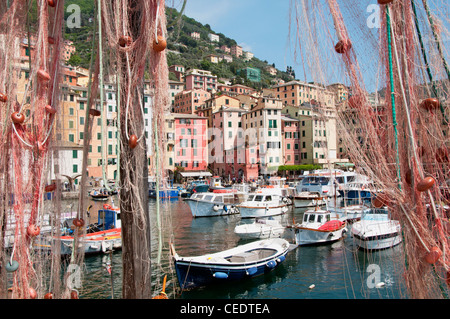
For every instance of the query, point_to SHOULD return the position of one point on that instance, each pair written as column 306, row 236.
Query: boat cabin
column 262, row 198
column 375, row 214
column 317, row 217
column 226, row 198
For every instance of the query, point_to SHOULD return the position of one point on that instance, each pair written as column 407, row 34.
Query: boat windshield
column 250, row 197
column 315, row 180
column 258, row 198
column 208, row 197
column 268, row 198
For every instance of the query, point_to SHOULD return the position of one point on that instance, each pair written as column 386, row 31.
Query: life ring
column 107, row 206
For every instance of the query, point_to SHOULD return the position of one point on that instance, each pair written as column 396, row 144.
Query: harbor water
column 336, row 271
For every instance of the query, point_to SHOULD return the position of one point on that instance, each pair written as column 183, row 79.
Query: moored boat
column 376, row 230
column 209, row 204
column 263, row 203
column 318, row 226
column 99, row 194
column 238, row 263
column 259, row 229
column 308, row 199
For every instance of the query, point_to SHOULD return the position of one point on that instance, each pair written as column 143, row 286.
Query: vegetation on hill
column 182, row 49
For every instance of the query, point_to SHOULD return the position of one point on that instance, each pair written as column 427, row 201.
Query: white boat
column 235, row 264
column 376, row 230
column 209, row 204
column 263, row 203
column 318, row 226
column 260, row 228
column 308, row 199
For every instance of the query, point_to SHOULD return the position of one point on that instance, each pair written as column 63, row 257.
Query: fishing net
column 394, row 123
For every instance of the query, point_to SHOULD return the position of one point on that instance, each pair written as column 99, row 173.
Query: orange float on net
column 380, row 200
column 73, row 294
column 33, row 230
column 343, row 46
column 78, row 222
column 433, row 255
column 17, row 118
column 94, row 112
column 50, row 109
column 48, row 295
column 3, row 97
column 125, row 41
column 159, row 44
column 50, row 188
column 43, row 75
column 430, row 104
column 425, row 184
column 32, row 292
column 51, row 40
column 132, row 142
column 385, row 1
column 51, row 3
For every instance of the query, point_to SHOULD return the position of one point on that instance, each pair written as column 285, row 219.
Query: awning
column 195, row 174
column 345, row 164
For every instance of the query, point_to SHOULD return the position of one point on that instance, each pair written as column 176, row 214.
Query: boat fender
column 251, row 271
column 220, row 275
column 271, row 264
column 281, row 259
column 12, row 266
column 216, row 208
column 285, row 200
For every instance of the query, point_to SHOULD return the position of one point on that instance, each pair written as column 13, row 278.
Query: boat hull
column 302, row 202
column 194, row 272
column 307, row 236
column 164, row 194
column 261, row 231
column 254, row 211
column 201, row 208
column 376, row 236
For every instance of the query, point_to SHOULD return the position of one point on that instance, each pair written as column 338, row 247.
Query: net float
column 408, row 176
column 50, row 109
column 50, row 188
column 51, row 40
column 380, row 200
column 430, row 104
column 51, row 3
column 425, row 184
column 48, row 295
column 433, row 255
column 385, row 1
column 74, row 294
column 133, row 141
column 33, row 230
column 94, row 112
column 78, row 222
column 3, row 97
column 43, row 75
column 159, row 44
column 125, row 41
column 17, row 118
column 32, row 292
column 343, row 46
column 12, row 266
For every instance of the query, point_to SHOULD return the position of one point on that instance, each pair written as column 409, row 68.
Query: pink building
column 200, row 79
column 236, row 50
column 191, row 142
column 188, row 101
column 290, row 131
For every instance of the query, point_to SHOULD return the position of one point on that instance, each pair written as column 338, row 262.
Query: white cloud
column 245, row 46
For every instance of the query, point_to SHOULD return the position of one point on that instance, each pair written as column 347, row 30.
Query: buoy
column 50, row 109
column 251, row 271
column 17, row 118
column 380, row 285
column 12, row 266
column 42, row 75
column 220, row 275
column 78, row 222
column 408, row 176
column 160, row 44
column 380, row 200
column 3, row 97
column 430, row 104
column 51, row 40
column 132, row 142
column 32, row 292
column 94, row 112
column 433, row 255
column 33, row 230
column 73, row 294
column 384, row 1
column 52, row 3
column 425, row 184
column 50, row 188
column 48, row 295
column 343, row 46
column 162, row 294
column 125, row 41
column 312, row 286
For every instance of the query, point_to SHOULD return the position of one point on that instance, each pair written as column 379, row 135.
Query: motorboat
column 197, row 186
column 235, row 264
column 376, row 230
column 262, row 203
column 166, row 189
column 260, row 228
column 214, row 204
column 318, row 226
column 308, row 199
column 101, row 194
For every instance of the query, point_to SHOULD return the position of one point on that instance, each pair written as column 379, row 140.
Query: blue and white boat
column 166, row 190
column 197, row 186
column 214, row 204
column 238, row 263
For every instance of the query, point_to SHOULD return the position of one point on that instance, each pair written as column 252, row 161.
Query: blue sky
column 259, row 26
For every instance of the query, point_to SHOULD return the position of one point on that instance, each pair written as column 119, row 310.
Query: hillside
column 182, row 49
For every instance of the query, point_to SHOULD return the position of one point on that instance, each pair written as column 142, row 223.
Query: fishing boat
column 101, row 194
column 238, row 263
column 308, row 199
column 376, row 230
column 260, row 228
column 166, row 189
column 197, row 186
column 318, row 226
column 263, row 203
column 214, row 204
column 100, row 237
